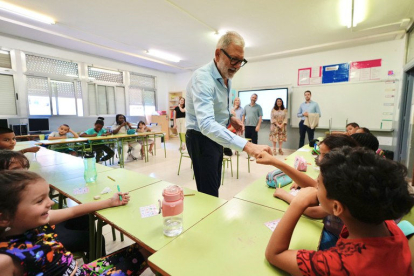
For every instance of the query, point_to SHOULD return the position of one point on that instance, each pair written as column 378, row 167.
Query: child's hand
column 115, row 199
column 307, row 196
column 265, row 158
column 32, row 149
column 294, row 186
column 280, row 193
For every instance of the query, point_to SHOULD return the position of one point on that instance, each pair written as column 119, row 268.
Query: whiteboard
column 370, row 104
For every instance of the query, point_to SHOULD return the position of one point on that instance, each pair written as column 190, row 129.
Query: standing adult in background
column 237, row 109
column 278, row 122
column 179, row 118
column 207, row 114
column 306, row 108
column 252, row 119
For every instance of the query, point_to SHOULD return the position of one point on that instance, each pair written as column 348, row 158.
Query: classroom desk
column 148, row 231
column 65, row 171
column 258, row 192
column 231, row 241
column 127, row 181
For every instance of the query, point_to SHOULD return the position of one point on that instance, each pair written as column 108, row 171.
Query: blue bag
column 276, row 177
column 130, row 131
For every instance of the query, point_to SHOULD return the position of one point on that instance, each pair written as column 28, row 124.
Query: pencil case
column 276, row 177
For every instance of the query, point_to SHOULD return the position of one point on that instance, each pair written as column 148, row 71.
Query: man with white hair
column 208, row 115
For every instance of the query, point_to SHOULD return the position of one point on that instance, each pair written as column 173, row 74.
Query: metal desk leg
column 92, row 244
column 165, row 149
column 121, row 161
column 146, row 152
column 98, row 239
column 237, row 153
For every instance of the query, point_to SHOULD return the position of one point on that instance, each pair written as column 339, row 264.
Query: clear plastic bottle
column 172, row 210
column 90, row 167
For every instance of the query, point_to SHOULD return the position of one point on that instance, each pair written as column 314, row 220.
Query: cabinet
column 163, row 121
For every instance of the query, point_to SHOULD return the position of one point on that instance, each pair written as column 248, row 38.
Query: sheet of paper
column 365, row 74
column 148, row 211
column 80, row 191
column 316, row 72
column 305, row 150
column 272, row 224
column 375, row 73
column 303, row 77
column 294, row 192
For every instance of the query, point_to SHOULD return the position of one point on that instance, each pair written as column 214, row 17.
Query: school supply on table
column 272, row 224
column 313, row 142
column 172, row 207
column 89, row 162
column 300, row 164
column 277, row 178
column 316, row 149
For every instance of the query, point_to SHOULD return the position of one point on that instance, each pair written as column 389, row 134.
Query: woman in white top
column 121, row 126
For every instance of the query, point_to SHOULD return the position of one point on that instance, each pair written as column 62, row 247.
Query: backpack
column 276, row 177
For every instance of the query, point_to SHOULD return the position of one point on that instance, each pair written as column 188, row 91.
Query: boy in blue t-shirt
column 98, row 130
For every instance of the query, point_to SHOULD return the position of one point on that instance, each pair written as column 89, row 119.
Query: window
column 141, row 95
column 8, row 101
column 60, row 99
column 38, row 95
column 106, row 99
column 50, row 66
column 105, row 75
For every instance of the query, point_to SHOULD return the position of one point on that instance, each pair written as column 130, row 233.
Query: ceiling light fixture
column 71, row 75
column 105, row 71
column 162, row 55
column 352, row 12
column 26, row 13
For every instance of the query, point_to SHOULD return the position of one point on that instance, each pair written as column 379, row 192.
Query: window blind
column 8, row 100
column 5, row 61
column 92, row 99
column 120, row 100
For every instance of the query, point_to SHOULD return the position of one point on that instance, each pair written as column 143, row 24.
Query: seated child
column 62, row 133
column 366, row 192
column 332, row 225
column 8, row 141
column 29, row 245
column 366, row 140
column 74, row 233
column 351, row 128
column 143, row 128
column 98, row 130
column 121, row 126
column 363, row 130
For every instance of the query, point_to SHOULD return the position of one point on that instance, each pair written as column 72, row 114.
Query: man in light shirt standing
column 208, row 114
column 305, row 108
column 252, row 119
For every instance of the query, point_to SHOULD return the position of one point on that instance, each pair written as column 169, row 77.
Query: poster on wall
column 335, row 73
column 233, row 94
column 365, row 70
column 316, row 75
column 304, row 75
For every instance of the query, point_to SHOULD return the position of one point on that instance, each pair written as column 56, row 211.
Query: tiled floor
column 166, row 169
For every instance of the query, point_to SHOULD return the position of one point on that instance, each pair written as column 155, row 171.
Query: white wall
column 284, row 72
column 19, row 47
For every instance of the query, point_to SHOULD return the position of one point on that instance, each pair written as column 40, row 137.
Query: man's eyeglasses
column 234, row 61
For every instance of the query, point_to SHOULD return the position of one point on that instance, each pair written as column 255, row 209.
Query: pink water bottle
column 172, row 210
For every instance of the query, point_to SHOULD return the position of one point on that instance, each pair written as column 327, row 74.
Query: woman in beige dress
column 278, row 122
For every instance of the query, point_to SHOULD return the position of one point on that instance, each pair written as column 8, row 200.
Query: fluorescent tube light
column 4, row 52
column 26, row 13
column 71, row 75
column 162, row 55
column 105, row 71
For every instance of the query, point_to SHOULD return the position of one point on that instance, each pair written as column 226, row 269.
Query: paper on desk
column 148, row 211
column 294, row 192
column 305, row 150
column 272, row 224
column 80, row 191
